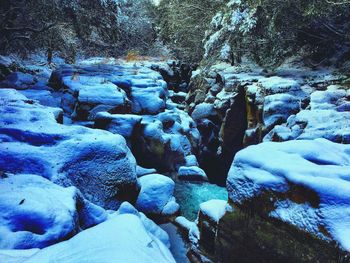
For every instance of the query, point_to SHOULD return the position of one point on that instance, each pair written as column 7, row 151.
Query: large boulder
column 97, row 162
column 36, row 213
column 291, row 201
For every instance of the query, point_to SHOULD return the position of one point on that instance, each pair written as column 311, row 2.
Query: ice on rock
column 156, row 193
column 319, row 167
column 123, row 237
column 35, row 213
column 214, row 209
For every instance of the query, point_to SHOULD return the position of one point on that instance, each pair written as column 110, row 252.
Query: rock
column 203, row 111
column 156, row 193
column 209, row 215
column 296, row 197
column 18, row 80
column 141, row 171
column 97, row 162
column 192, row 173
column 191, row 160
column 123, row 237
column 36, row 213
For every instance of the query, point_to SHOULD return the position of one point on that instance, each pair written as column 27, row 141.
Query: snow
column 123, row 237
column 318, row 166
column 35, row 213
column 191, row 173
column 178, row 247
column 17, row 255
column 214, row 209
column 156, row 193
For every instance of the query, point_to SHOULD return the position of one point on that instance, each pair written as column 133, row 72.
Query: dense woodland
column 268, row 31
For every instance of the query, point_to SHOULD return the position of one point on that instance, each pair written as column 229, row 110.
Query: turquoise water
column 190, row 195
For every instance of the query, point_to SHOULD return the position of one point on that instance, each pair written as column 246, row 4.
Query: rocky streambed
column 90, row 152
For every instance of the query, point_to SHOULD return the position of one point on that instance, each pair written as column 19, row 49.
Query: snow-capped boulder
column 36, row 213
column 156, row 195
column 97, row 162
column 192, row 173
column 297, row 192
column 123, row 237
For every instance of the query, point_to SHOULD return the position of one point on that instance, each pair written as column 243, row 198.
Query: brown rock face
column 243, row 237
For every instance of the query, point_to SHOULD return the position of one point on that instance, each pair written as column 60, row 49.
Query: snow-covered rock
column 303, row 183
column 156, row 195
column 327, row 117
column 123, row 124
column 191, row 173
column 19, row 80
column 90, row 89
column 162, row 141
column 123, row 238
column 97, row 162
column 214, row 209
column 36, row 213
